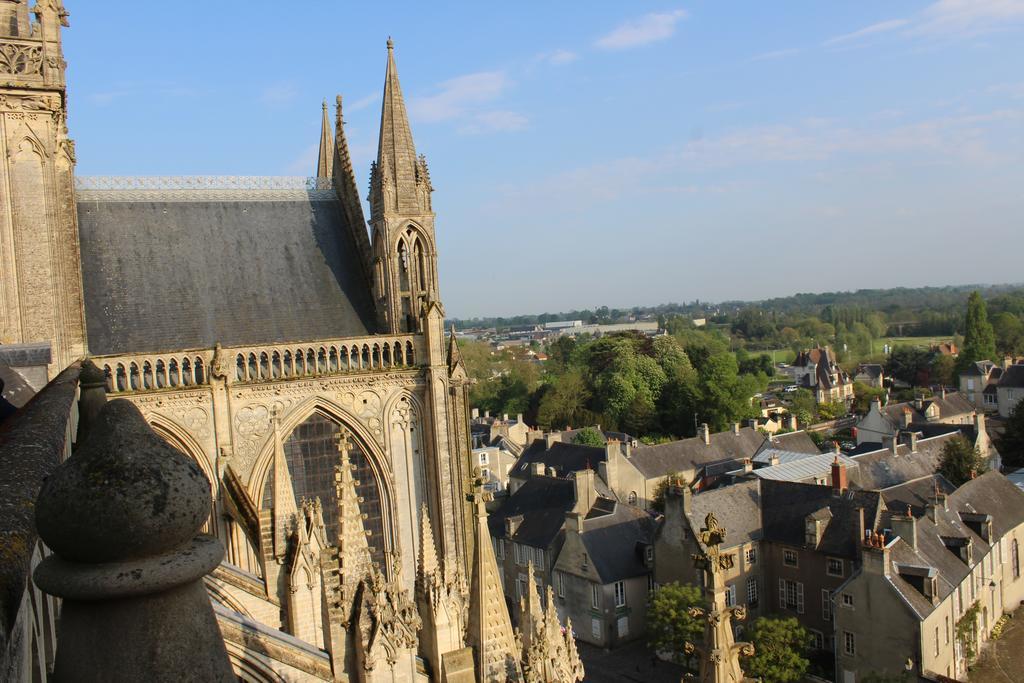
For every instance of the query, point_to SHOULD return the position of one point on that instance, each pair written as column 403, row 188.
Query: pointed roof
column 354, row 560
column 325, row 160
column 455, row 356
column 490, row 630
column 286, row 512
column 396, row 154
column 428, row 564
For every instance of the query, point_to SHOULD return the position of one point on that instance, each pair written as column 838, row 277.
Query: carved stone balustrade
column 251, row 364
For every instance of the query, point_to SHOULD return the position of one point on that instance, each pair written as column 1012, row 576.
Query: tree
column 979, row 339
column 960, row 461
column 802, row 406
column 911, row 365
column 864, row 395
column 565, row 401
column 658, row 498
column 589, row 437
column 779, row 649
column 944, row 370
column 669, row 626
column 1011, row 443
column 1009, row 331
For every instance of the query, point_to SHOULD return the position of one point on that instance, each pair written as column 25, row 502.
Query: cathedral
column 297, row 352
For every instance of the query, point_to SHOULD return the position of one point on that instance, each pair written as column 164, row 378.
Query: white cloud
column 458, row 95
column 647, row 29
column 873, row 29
column 777, row 54
column 494, row 121
column 965, row 18
column 560, row 57
column 363, row 102
column 279, row 94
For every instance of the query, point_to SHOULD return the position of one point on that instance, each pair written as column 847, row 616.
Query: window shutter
column 799, row 598
column 782, row 594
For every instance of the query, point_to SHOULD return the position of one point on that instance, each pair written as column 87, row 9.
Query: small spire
column 428, row 549
column 325, row 159
column 391, row 43
column 397, row 167
column 286, row 513
column 353, row 547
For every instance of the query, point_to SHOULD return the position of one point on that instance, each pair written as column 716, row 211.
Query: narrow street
column 1003, row 660
column 632, row 662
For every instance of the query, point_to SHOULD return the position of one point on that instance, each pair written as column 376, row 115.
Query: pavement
column 631, row 662
column 1002, row 660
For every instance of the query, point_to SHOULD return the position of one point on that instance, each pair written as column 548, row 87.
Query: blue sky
column 605, row 153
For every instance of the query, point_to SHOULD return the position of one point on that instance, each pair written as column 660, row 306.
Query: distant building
column 871, row 374
column 817, row 370
column 975, row 382
column 1010, row 389
column 885, row 421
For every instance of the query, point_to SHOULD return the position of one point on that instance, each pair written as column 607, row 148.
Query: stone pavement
column 632, row 662
column 1002, row 661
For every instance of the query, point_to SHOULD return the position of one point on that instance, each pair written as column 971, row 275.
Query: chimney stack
column 773, row 460
column 609, row 469
column 574, row 522
column 905, row 526
column 839, row 483
column 551, row 438
column 705, row 433
column 475, row 413
column 736, row 428
column 586, row 493
column 792, row 423
column 748, row 465
column 537, row 469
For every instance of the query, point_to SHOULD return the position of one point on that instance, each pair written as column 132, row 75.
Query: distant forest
column 922, row 311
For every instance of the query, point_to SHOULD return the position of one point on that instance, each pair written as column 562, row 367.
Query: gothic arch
column 24, row 134
column 405, row 432
column 378, row 463
column 224, row 598
column 181, row 439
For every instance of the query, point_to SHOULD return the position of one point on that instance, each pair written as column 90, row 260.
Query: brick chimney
column 748, row 465
column 552, row 438
column 773, row 460
column 839, row 483
column 705, row 433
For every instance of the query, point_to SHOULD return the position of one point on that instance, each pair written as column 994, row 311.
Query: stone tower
column 41, row 285
column 401, row 218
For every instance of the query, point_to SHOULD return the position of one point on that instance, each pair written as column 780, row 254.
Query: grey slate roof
column 1013, row 377
column 916, row 493
column 667, row 458
column 794, row 442
column 615, row 542
column 881, row 469
column 785, row 506
column 563, row 457
column 805, row 468
column 737, row 508
column 767, row 454
column 170, row 275
column 543, row 502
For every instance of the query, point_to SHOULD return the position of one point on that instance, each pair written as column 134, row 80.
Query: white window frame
column 751, row 555
column 595, row 596
column 828, row 566
column 730, row 595
column 538, row 559
column 752, row 597
column 847, row 601
column 849, row 644
column 817, row 639
column 789, row 587
column 595, row 628
column 620, row 594
column 787, row 554
column 560, row 582
column 826, row 604
column 484, row 459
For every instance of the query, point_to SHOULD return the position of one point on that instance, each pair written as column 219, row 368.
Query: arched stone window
column 147, row 375
column 421, row 265
column 186, row 372
column 172, row 372
column 134, row 378
column 632, row 498
column 199, row 371
column 161, row 374
column 110, row 378
column 311, row 451
column 240, row 368
column 403, row 267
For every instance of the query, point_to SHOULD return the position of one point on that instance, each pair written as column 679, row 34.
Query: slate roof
column 615, row 542
column 737, row 508
column 565, row 458
column 785, row 506
column 979, row 368
column 163, row 275
column 917, row 493
column 870, row 369
column 880, row 469
column 663, row 459
column 951, row 405
column 794, row 442
column 767, row 454
column 1013, row 377
column 543, row 503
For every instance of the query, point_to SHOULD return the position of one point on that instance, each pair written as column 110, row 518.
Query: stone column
column 122, row 516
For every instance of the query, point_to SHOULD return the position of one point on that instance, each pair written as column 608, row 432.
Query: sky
column 591, row 152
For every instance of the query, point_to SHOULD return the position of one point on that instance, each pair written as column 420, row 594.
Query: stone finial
column 122, row 516
column 391, row 43
column 92, row 383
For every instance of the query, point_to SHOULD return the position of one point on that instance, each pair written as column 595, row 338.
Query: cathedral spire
column 325, row 160
column 399, row 177
column 490, row 630
column 286, row 512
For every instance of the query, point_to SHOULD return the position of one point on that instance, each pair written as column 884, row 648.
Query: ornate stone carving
column 367, row 405
column 20, row 60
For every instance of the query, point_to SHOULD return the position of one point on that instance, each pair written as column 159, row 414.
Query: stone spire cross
column 122, row 516
column 719, row 656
